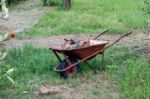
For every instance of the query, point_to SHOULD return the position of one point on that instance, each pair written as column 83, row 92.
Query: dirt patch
column 3, row 28
column 24, row 16
column 138, row 37
column 83, row 88
column 53, row 90
column 52, row 40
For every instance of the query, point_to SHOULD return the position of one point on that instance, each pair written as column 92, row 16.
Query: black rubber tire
column 71, row 72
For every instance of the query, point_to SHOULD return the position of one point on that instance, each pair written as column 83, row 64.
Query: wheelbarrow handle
column 100, row 34
column 121, row 37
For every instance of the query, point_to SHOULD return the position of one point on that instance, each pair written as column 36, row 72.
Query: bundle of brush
column 76, row 43
column 73, row 43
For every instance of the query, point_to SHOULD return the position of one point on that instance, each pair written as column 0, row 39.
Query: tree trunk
column 67, row 4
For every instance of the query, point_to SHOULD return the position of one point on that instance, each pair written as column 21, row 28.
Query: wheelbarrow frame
column 101, row 51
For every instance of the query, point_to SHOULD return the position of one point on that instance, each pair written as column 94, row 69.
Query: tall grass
column 88, row 16
column 34, row 66
column 131, row 73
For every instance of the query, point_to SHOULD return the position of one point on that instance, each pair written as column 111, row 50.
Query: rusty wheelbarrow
column 73, row 57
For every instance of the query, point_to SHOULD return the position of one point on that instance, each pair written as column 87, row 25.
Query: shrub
column 9, row 2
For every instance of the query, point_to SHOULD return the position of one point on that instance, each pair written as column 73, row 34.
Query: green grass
column 131, row 72
column 88, row 16
column 35, row 66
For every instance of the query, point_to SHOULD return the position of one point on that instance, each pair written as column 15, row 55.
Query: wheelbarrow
column 73, row 57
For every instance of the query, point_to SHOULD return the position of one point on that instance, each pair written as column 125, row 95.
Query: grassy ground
column 35, row 66
column 87, row 16
column 131, row 73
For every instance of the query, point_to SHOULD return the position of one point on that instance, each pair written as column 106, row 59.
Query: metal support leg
column 103, row 61
column 67, row 58
column 57, row 56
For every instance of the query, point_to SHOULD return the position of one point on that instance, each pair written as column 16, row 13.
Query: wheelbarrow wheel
column 71, row 72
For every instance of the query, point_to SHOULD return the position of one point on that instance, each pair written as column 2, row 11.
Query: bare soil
column 83, row 88
column 137, row 37
column 23, row 16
